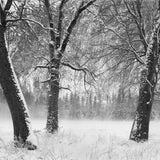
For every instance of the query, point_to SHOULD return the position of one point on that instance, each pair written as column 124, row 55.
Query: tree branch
column 73, row 67
column 22, row 8
column 72, row 24
column 46, row 81
column 52, row 33
column 66, row 88
column 45, row 67
column 42, row 57
column 8, row 5
column 60, row 19
column 1, row 10
column 139, row 25
column 27, row 19
column 129, row 44
column 84, row 70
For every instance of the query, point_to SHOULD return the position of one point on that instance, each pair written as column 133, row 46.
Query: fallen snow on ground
column 82, row 140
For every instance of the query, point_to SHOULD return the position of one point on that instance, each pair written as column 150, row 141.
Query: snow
column 21, row 97
column 3, row 3
column 82, row 140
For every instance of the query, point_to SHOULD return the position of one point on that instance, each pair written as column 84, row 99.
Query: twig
column 45, row 67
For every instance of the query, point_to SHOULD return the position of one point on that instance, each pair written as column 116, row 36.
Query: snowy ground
column 83, row 140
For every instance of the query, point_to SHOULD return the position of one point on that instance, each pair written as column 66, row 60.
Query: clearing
column 82, row 140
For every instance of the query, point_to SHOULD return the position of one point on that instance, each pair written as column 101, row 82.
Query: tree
column 11, row 88
column 129, row 29
column 57, row 48
column 140, row 128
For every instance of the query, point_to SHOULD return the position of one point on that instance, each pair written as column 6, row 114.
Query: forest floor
column 82, row 140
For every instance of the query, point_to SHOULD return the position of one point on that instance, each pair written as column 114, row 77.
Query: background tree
column 140, row 128
column 129, row 29
column 57, row 48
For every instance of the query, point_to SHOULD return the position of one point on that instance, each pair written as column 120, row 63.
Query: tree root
column 28, row 145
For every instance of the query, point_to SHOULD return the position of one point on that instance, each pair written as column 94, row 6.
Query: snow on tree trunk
column 140, row 128
column 57, row 48
column 52, row 118
column 14, row 96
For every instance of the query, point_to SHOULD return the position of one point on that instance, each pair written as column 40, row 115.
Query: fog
column 81, row 139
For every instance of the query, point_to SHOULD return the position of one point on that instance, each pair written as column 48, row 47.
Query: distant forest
column 87, row 106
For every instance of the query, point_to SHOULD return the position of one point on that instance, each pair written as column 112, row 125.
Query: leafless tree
column 57, row 49
column 10, row 85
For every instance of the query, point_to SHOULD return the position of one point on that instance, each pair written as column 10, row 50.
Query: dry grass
column 82, row 140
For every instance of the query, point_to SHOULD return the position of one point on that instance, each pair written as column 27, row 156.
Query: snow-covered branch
column 80, row 9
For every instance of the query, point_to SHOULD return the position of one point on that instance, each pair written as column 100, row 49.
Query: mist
column 80, row 139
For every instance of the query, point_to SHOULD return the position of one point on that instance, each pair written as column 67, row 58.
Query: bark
column 52, row 118
column 140, row 128
column 57, row 49
column 55, row 58
column 14, row 96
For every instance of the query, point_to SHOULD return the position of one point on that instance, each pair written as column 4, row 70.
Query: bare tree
column 11, row 88
column 57, row 48
column 140, row 128
column 130, row 48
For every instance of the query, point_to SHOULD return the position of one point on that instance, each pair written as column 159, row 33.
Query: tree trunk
column 52, row 118
column 14, row 96
column 57, row 48
column 140, row 128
